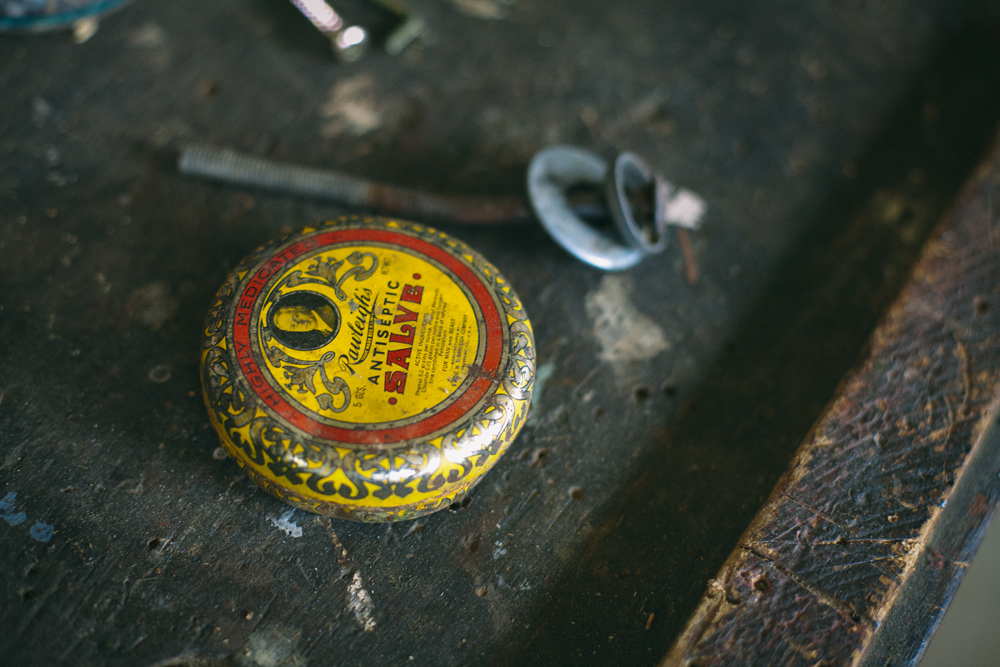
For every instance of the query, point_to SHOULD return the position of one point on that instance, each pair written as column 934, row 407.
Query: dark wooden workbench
column 827, row 138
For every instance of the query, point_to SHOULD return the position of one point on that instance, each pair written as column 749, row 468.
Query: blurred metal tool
column 411, row 25
column 554, row 176
column 231, row 167
column 349, row 42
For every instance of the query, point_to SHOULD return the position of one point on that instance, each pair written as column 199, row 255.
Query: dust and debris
column 557, row 416
column 209, row 87
column 489, row 10
column 286, row 524
column 625, row 334
column 360, row 602
column 275, row 646
column 481, row 591
column 85, row 28
column 650, row 113
column 13, row 457
column 163, row 134
column 470, row 542
column 805, row 154
column 220, row 454
column 813, row 66
column 542, row 375
column 159, row 373
column 357, row 106
column 102, row 282
column 148, row 36
column 152, row 305
column 499, row 551
column 41, row 110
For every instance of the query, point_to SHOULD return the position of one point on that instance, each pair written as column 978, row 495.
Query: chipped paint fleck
column 7, row 507
column 360, row 602
column 625, row 333
column 7, row 504
column 352, row 108
column 41, row 531
column 273, row 647
column 286, row 524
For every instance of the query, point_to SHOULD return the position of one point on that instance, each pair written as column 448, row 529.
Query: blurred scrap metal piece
column 349, row 42
column 410, row 25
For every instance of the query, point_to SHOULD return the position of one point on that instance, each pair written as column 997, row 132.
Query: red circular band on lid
column 484, row 377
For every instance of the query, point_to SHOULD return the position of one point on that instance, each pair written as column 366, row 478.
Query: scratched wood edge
column 898, row 627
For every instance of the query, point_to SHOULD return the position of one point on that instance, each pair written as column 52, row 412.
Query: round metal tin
column 43, row 15
column 368, row 368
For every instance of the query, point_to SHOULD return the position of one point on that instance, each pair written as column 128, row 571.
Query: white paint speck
column 489, row 10
column 352, row 107
column 499, row 551
column 276, row 646
column 685, row 208
column 149, row 36
column 360, row 603
column 542, row 375
column 625, row 333
column 286, row 524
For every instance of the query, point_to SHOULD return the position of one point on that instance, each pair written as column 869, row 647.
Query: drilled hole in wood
column 980, row 305
column 539, row 456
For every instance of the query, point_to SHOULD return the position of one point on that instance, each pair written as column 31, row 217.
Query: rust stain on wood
column 822, row 564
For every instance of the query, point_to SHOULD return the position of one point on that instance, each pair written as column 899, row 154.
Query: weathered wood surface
column 827, row 139
column 853, row 558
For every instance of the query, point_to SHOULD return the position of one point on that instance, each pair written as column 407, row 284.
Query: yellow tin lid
column 368, row 368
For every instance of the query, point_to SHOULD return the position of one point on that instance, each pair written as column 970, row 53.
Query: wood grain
column 888, row 496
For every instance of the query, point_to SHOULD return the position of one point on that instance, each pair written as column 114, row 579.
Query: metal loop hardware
column 554, row 170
